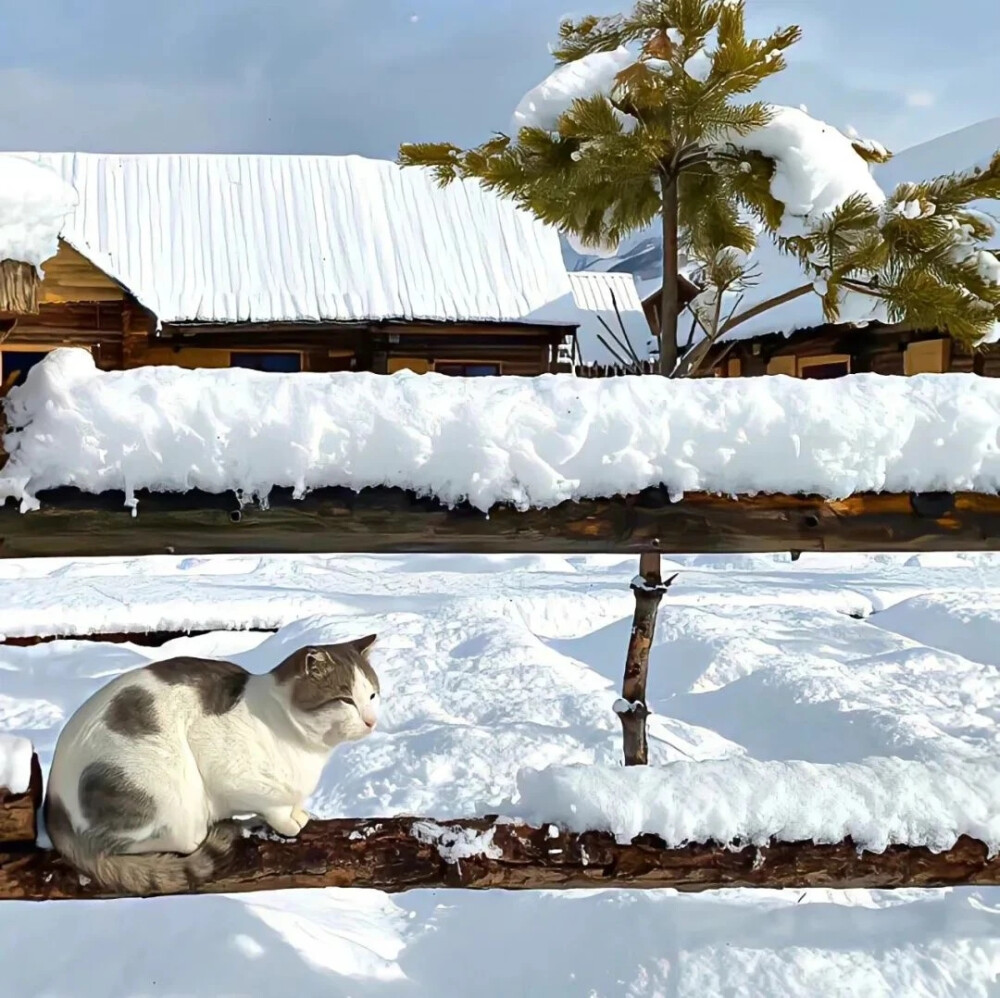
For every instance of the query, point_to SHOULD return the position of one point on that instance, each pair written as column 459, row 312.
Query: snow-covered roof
column 167, row 429
column 228, row 238
column 960, row 150
column 34, row 203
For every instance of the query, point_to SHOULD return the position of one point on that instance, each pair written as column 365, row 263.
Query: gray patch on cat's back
column 132, row 713
column 220, row 685
column 110, row 800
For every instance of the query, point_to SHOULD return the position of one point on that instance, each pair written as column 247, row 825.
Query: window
column 17, row 363
column 468, row 370
column 830, row 365
column 836, row 369
column 274, row 363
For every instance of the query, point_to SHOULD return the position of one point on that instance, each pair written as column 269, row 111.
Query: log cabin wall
column 833, row 351
column 81, row 306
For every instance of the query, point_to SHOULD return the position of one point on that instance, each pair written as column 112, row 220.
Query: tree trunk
column 669, row 296
column 631, row 709
column 399, row 854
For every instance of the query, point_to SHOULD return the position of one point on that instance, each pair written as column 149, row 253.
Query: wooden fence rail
column 74, row 524
column 399, row 854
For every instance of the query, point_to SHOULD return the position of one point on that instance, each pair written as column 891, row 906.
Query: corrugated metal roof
column 240, row 238
column 600, row 291
column 592, row 294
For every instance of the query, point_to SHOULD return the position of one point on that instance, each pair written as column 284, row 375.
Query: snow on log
column 398, row 854
column 20, row 791
column 526, row 443
column 876, row 803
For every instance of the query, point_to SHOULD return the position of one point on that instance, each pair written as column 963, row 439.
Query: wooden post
column 18, row 812
column 631, row 709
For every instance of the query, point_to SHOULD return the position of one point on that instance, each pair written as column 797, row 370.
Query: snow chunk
column 15, row 763
column 530, row 442
column 34, row 204
column 878, row 802
column 454, row 844
column 816, row 167
column 542, row 106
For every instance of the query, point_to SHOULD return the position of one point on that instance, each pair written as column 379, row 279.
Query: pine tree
column 664, row 141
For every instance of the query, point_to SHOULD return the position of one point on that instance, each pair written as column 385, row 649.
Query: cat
column 149, row 772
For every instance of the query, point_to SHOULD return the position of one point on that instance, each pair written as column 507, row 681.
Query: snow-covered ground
column 490, row 665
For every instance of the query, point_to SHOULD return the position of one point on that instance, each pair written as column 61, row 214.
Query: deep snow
column 493, row 664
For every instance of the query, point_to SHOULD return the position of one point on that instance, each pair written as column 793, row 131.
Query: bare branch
column 766, row 306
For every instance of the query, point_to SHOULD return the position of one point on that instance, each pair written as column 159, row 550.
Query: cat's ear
column 363, row 645
column 312, row 661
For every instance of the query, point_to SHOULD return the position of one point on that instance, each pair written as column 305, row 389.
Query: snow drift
column 528, row 442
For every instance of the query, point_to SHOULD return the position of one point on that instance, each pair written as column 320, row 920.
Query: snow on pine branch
column 529, row 442
column 34, row 204
column 878, row 802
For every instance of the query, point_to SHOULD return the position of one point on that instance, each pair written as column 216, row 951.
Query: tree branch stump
column 631, row 709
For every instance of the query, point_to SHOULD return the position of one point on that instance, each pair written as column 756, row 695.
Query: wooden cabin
column 830, row 351
column 292, row 263
column 833, row 351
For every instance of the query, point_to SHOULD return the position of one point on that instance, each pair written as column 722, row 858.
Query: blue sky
column 360, row 76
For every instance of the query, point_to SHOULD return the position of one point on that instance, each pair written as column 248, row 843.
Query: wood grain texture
column 18, row 812
column 74, row 524
column 403, row 853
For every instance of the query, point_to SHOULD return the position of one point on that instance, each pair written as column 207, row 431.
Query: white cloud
column 920, row 98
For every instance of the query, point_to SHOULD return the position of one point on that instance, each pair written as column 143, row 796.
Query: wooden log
column 18, row 812
column 399, row 854
column 73, row 524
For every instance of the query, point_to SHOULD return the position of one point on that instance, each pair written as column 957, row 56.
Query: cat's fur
column 150, row 770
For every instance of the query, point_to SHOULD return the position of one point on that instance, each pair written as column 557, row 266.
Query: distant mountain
column 641, row 255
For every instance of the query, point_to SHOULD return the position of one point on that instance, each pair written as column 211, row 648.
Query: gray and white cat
column 150, row 770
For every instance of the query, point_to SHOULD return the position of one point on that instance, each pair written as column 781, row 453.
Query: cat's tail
column 137, row 873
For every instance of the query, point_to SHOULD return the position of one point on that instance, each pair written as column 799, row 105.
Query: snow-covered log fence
column 692, row 826
column 161, row 460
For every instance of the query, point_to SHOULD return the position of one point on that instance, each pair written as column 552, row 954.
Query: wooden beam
column 18, row 821
column 399, row 854
column 72, row 524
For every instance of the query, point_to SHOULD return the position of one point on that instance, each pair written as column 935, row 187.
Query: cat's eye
column 372, row 697
column 347, row 700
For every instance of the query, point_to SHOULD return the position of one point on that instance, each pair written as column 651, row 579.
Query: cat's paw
column 283, row 821
column 301, row 817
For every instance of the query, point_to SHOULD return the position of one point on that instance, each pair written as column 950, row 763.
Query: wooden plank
column 403, row 853
column 72, row 524
column 18, row 812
